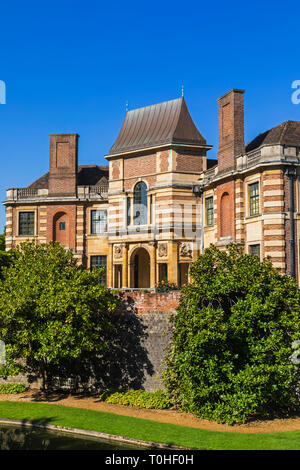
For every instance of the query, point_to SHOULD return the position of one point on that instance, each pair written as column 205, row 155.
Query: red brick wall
column 225, row 209
column 231, row 129
column 130, row 183
column 164, row 161
column 70, row 233
column 116, row 170
column 144, row 302
column 189, row 162
column 63, row 164
column 139, row 166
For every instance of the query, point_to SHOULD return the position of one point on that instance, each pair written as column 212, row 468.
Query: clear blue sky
column 71, row 66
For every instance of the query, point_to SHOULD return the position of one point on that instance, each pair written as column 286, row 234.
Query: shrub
column 150, row 400
column 166, row 286
column 12, row 388
column 53, row 313
column 232, row 339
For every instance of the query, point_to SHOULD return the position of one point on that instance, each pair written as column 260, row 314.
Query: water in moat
column 24, row 438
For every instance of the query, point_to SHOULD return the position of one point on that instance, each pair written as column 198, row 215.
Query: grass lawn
column 148, row 430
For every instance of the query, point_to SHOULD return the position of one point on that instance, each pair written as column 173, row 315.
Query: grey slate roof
column 286, row 133
column 88, row 175
column 155, row 125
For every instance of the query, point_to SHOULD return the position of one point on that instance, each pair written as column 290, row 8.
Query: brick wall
column 139, row 349
column 63, row 164
column 189, row 162
column 231, row 129
column 145, row 302
column 55, row 213
column 226, row 209
column 139, row 166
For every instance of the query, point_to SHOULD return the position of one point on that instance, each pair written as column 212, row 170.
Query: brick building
column 160, row 201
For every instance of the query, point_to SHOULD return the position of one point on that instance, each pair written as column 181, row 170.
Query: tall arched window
column 140, row 204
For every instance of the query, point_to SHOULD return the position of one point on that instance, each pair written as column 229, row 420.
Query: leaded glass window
column 209, row 205
column 98, row 221
column 26, row 223
column 254, row 250
column 99, row 261
column 140, row 204
column 253, row 199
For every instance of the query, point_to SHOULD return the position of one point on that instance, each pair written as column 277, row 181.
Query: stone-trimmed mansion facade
column 160, row 201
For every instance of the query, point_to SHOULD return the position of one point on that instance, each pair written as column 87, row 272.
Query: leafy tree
column 51, row 311
column 5, row 256
column 232, row 339
column 2, row 241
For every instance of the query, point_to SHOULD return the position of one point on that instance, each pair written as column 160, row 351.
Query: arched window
column 140, row 204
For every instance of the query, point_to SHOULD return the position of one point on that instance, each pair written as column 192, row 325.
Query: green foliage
column 51, row 311
column 5, row 257
column 232, row 339
column 2, row 242
column 166, row 286
column 150, row 400
column 12, row 388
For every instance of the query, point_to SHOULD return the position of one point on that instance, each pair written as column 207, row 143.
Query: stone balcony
column 267, row 155
column 35, row 195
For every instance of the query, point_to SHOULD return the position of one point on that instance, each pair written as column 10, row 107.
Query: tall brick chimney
column 231, row 128
column 63, row 164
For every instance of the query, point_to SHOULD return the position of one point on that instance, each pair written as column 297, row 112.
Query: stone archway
column 140, row 268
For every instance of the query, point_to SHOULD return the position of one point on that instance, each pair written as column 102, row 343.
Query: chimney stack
column 231, row 129
column 63, row 164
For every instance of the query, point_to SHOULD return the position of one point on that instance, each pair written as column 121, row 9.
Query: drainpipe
column 291, row 175
column 198, row 191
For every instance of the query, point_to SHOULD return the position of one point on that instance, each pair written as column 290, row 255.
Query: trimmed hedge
column 12, row 388
column 150, row 400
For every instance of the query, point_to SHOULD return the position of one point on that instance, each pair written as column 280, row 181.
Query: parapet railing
column 92, row 192
column 86, row 192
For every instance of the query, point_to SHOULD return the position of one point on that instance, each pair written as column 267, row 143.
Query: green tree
column 2, row 241
column 232, row 339
column 5, row 256
column 51, row 311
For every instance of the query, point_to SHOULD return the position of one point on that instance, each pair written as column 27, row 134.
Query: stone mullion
column 239, row 212
column 274, row 218
column 42, row 224
column 9, row 228
column 80, row 230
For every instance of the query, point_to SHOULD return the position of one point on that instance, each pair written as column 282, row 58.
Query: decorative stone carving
column 118, row 251
column 185, row 250
column 162, row 250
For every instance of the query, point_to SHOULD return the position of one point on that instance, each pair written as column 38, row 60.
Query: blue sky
column 71, row 67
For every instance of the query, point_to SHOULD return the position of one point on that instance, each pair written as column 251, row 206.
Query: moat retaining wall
column 138, row 351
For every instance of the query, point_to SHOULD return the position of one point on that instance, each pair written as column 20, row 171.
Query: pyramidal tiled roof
column 156, row 125
column 286, row 133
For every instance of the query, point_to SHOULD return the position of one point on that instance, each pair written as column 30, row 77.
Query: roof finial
column 182, row 91
column 126, row 106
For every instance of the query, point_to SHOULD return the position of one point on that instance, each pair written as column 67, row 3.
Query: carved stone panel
column 185, row 250
column 163, row 250
column 118, row 251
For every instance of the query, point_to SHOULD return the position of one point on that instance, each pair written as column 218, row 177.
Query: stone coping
column 85, row 432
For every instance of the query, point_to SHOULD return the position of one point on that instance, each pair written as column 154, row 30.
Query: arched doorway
column 61, row 228
column 140, row 268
